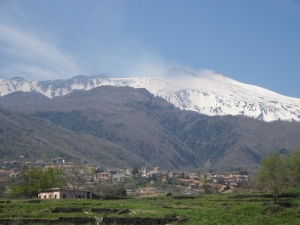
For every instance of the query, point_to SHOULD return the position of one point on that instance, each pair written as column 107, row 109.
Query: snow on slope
column 212, row 94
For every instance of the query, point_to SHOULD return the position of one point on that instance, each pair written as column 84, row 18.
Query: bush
column 272, row 208
column 109, row 191
column 226, row 188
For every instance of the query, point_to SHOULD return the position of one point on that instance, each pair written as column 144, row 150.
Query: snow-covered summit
column 205, row 92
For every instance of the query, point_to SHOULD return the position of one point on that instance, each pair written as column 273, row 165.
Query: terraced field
column 248, row 208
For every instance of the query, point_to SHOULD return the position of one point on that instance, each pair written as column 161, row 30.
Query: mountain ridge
column 206, row 93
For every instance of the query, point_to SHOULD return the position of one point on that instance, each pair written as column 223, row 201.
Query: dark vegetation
column 126, row 127
column 109, row 191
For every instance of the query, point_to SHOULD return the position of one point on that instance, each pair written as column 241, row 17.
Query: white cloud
column 146, row 64
column 31, row 57
column 27, row 50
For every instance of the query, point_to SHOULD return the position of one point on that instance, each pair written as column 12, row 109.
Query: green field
column 251, row 208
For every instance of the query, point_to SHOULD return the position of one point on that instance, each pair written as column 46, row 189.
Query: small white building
column 64, row 194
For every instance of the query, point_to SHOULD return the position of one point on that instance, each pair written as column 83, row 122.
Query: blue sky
column 252, row 41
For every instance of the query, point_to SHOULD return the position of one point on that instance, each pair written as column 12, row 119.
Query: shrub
column 109, row 191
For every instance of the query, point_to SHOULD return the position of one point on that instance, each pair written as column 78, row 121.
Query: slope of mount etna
column 38, row 139
column 205, row 92
column 118, row 115
column 239, row 141
column 123, row 126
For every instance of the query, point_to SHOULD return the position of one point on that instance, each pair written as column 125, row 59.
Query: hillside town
column 136, row 181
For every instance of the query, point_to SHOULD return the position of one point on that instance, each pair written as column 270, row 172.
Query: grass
column 202, row 209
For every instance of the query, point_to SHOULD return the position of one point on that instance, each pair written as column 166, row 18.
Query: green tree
column 35, row 179
column 182, row 175
column 293, row 165
column 135, row 171
column 2, row 188
column 207, row 188
column 271, row 175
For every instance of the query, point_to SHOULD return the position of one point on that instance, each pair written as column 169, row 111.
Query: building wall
column 64, row 194
column 49, row 195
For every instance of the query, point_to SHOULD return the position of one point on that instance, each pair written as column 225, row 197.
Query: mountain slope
column 116, row 115
column 209, row 94
column 126, row 126
column 36, row 138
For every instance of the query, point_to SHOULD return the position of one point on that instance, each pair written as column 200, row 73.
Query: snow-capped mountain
column 206, row 93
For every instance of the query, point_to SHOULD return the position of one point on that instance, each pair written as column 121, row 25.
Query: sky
column 252, row 41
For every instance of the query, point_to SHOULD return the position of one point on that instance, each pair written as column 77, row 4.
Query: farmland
column 234, row 208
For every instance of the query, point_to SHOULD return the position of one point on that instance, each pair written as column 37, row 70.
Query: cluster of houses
column 193, row 183
column 214, row 183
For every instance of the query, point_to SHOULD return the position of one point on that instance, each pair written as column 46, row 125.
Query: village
column 138, row 182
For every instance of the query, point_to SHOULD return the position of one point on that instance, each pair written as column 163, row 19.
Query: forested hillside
column 123, row 126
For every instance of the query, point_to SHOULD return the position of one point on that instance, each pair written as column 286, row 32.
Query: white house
column 64, row 194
